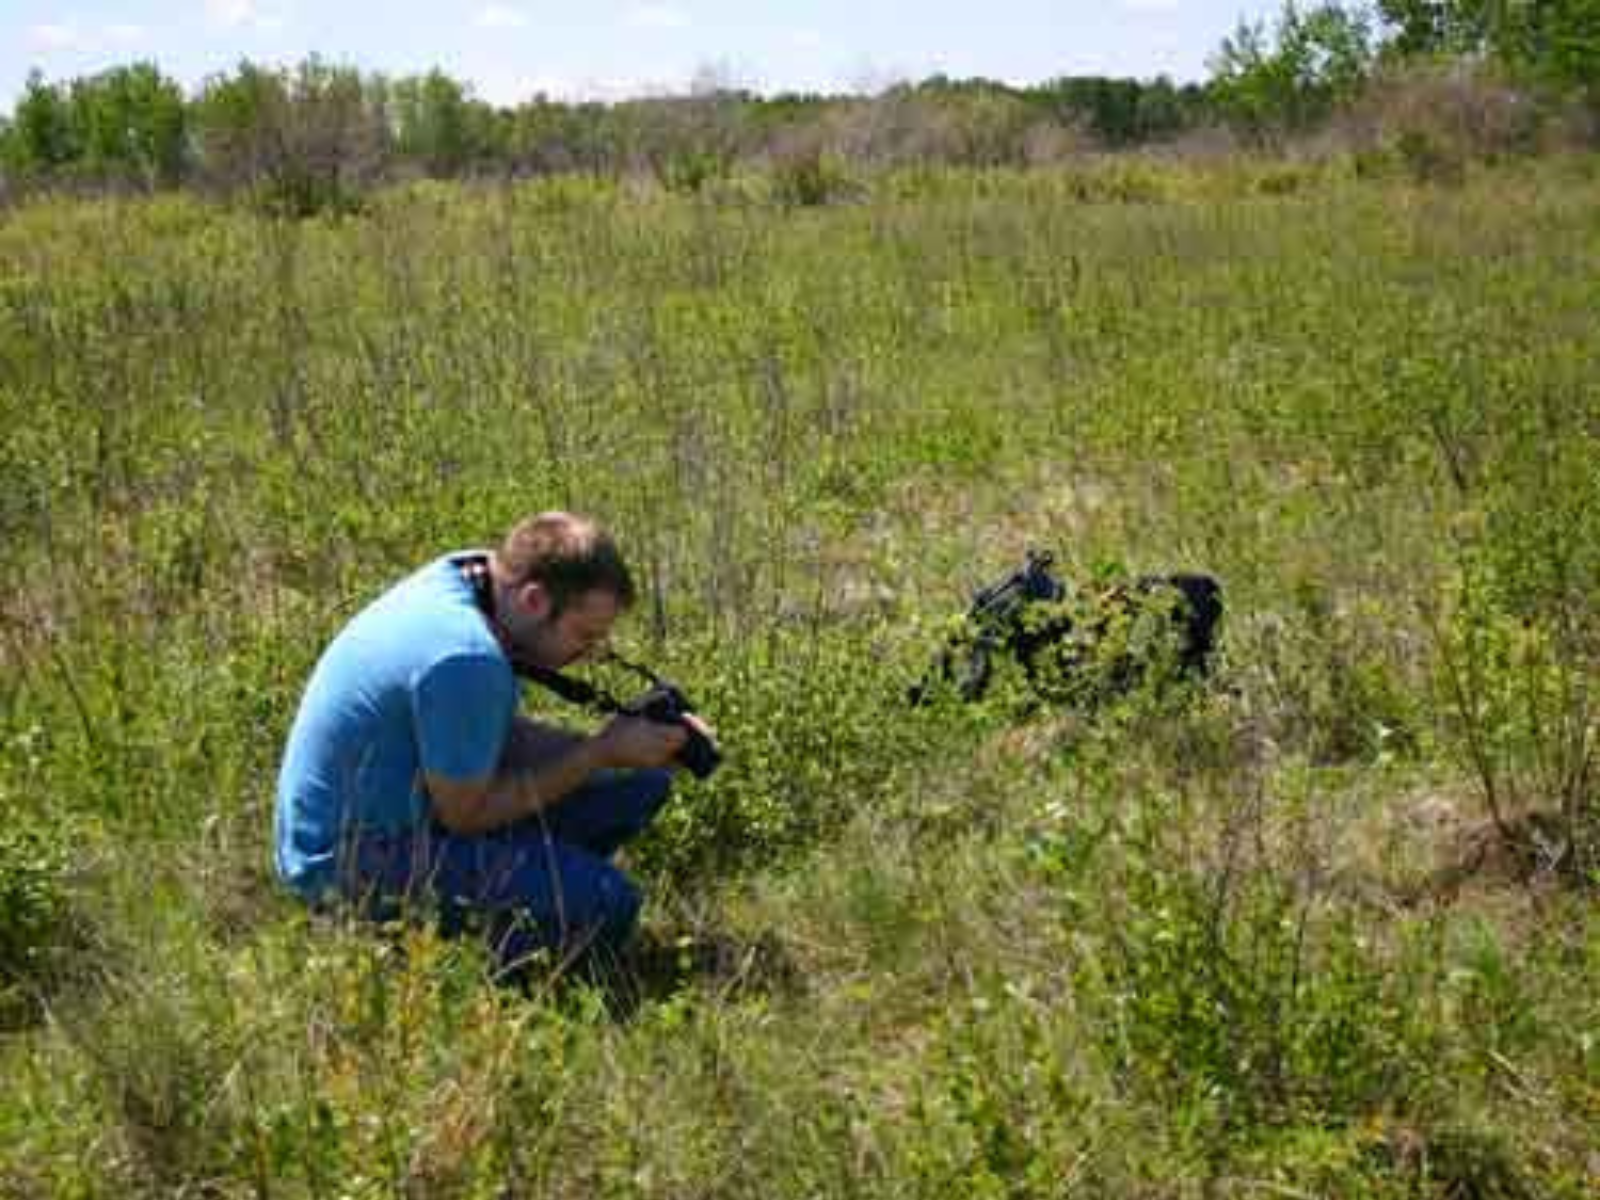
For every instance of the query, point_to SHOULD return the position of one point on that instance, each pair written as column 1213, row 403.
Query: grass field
column 1326, row 929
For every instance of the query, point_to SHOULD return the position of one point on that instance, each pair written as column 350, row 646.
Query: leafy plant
column 33, row 908
column 1520, row 715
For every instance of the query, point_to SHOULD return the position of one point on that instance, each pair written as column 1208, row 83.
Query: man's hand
column 637, row 742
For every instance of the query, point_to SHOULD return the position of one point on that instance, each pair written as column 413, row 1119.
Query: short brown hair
column 569, row 554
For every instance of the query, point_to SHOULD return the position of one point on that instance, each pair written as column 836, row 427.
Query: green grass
column 1253, row 942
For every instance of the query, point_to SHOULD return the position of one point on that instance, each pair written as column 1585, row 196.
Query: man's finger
column 701, row 724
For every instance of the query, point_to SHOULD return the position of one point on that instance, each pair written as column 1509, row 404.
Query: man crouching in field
column 409, row 776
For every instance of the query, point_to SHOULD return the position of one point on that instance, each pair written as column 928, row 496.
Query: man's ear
column 534, row 600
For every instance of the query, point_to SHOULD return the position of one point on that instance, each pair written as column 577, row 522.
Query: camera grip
column 667, row 705
column 699, row 753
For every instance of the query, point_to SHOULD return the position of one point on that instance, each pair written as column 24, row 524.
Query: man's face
column 580, row 628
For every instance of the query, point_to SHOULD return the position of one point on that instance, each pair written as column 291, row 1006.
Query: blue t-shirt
column 416, row 682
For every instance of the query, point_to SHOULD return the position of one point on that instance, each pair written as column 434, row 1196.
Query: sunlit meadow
column 1324, row 928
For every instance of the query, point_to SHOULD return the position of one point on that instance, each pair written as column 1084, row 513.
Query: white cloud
column 239, row 14
column 231, row 12
column 657, row 16
column 57, row 37
column 501, row 16
column 66, row 36
column 569, row 88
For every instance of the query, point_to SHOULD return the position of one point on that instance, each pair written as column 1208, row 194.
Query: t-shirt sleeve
column 462, row 707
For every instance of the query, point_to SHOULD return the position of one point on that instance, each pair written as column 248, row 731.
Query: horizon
column 507, row 53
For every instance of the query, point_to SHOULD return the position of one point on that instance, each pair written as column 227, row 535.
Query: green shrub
column 810, row 178
column 1330, row 682
column 1429, row 158
column 33, row 906
column 1518, row 712
column 691, row 170
column 813, row 729
column 1240, row 992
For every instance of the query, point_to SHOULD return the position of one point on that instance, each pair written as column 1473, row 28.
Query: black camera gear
column 662, row 702
column 993, row 623
column 1027, row 616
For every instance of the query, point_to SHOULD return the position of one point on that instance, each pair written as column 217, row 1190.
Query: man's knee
column 597, row 913
column 608, row 913
column 654, row 783
column 641, row 795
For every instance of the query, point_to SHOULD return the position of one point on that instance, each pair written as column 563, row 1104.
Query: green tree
column 1295, row 76
column 439, row 124
column 239, row 120
column 1555, row 42
column 131, row 123
column 42, row 138
column 298, row 141
column 1436, row 27
column 431, row 122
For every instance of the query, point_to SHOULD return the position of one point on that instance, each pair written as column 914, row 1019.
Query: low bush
column 809, row 177
column 1435, row 119
column 33, row 910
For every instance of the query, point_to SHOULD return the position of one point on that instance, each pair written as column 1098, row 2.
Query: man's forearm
column 516, row 795
column 542, row 787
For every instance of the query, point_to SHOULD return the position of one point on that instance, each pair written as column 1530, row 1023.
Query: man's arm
column 475, row 806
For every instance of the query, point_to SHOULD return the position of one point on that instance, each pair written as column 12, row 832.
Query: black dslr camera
column 666, row 704
column 663, row 702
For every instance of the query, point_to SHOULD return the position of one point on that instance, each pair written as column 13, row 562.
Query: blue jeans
column 547, row 882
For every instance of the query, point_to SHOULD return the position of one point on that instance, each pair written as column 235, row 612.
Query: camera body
column 666, row 704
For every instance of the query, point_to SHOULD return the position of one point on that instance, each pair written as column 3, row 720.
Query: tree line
column 318, row 134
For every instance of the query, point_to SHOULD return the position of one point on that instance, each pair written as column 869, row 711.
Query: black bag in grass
column 1080, row 647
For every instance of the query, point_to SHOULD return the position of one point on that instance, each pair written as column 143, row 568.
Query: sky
column 510, row 49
